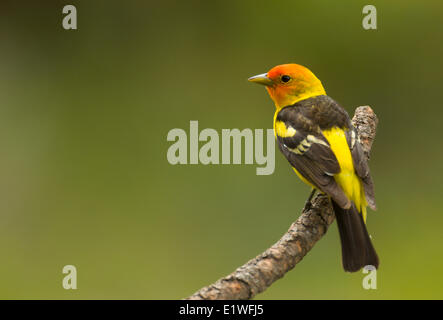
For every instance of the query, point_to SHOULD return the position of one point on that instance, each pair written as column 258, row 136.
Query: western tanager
column 317, row 138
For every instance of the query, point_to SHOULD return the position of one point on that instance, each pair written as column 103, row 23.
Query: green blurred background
column 84, row 117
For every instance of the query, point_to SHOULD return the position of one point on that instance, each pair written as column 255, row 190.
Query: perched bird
column 316, row 136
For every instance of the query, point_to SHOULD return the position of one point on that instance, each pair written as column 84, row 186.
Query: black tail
column 356, row 247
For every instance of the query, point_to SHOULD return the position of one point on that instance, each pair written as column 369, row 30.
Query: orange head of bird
column 289, row 83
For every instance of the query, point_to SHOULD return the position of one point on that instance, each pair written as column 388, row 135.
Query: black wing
column 308, row 151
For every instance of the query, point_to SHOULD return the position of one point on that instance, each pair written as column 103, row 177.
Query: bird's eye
column 285, row 78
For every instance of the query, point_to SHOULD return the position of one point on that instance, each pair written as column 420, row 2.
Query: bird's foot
column 308, row 203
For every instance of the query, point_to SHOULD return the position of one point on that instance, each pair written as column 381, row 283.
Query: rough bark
column 259, row 273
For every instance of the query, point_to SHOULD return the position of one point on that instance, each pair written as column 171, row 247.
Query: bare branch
column 259, row 273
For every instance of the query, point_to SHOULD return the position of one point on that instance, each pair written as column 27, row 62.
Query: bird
column 317, row 137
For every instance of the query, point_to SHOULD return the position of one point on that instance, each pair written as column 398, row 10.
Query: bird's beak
column 261, row 79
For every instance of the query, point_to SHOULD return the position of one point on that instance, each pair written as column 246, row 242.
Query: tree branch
column 259, row 273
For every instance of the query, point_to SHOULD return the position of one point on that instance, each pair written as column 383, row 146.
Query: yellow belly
column 303, row 178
